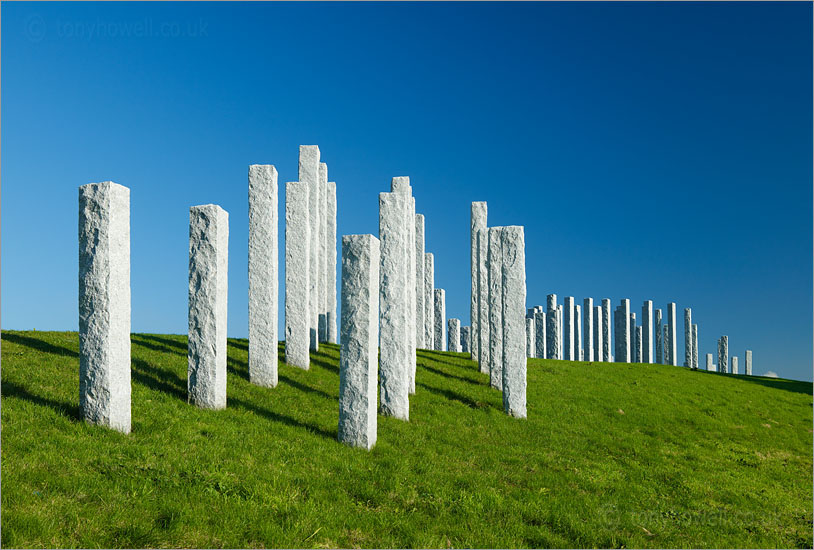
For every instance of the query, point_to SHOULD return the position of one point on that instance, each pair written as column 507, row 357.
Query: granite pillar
column 540, row 334
column 659, row 339
column 710, row 366
column 552, row 335
column 723, row 354
column 671, row 329
column 494, row 314
column 331, row 265
column 440, row 336
column 419, row 282
column 429, row 300
column 454, row 335
column 483, row 300
column 748, row 363
column 695, row 347
column 578, row 333
column 297, row 271
column 622, row 326
column 531, row 345
column 309, row 175
column 588, row 323
column 514, row 307
column 599, row 343
column 606, row 329
column 568, row 329
column 734, row 361
column 688, row 337
column 322, row 283
column 465, row 342
column 639, row 347
column 477, row 221
column 647, row 331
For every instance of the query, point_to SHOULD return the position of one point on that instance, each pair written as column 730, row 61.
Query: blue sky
column 651, row 150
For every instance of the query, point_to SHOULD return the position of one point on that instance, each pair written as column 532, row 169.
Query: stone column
column 531, row 345
column 440, row 337
column 695, row 347
column 297, row 271
column 104, row 305
column 394, row 304
column 560, row 352
column 494, row 314
column 588, row 328
column 322, row 282
column 419, row 282
column 734, row 364
column 606, row 329
column 208, row 290
column 622, row 326
column 647, row 331
column 688, row 337
column 552, row 335
column 632, row 337
column 454, row 335
column 483, row 300
column 465, row 342
column 309, row 175
column 263, row 283
column 514, row 308
column 665, row 339
column 540, row 335
column 659, row 339
column 710, row 366
column 748, row 363
column 477, row 221
column 578, row 333
column 639, row 348
column 671, row 328
column 568, row 328
column 331, row 267
column 723, row 354
column 429, row 301
column 401, row 185
column 599, row 344
column 358, row 352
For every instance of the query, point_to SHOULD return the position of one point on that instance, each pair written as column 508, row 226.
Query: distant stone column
column 597, row 330
column 666, row 343
column 454, row 335
column 723, row 354
column 695, row 347
column 358, row 352
column 531, row 345
column 401, row 185
column 331, row 267
column 568, row 328
column 429, row 300
column 104, row 305
column 606, row 329
column 622, row 326
column 494, row 314
column 208, row 291
column 561, row 352
column 639, row 347
column 588, row 328
column 394, row 304
column 748, row 363
column 297, row 271
column 483, row 300
column 710, row 366
column 540, row 334
column 552, row 335
column 465, row 342
column 419, row 282
column 322, row 303
column 632, row 319
column 688, row 337
column 263, row 283
column 477, row 221
column 734, row 364
column 309, row 175
column 647, row 331
column 659, row 339
column 514, row 308
column 440, row 337
column 671, row 328
column 577, row 333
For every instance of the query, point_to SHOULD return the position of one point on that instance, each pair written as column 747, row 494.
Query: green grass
column 611, row 455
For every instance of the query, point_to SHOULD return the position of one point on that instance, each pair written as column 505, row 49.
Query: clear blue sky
column 652, row 151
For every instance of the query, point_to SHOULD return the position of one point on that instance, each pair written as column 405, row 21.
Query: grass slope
column 610, row 455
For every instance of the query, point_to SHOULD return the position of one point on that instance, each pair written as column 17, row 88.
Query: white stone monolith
column 606, row 330
column 263, row 282
column 723, row 355
column 483, row 300
column 710, row 366
column 309, row 175
column 599, row 343
column 531, row 345
column 639, row 348
column 569, row 337
column 104, row 305
column 671, row 329
column 465, row 339
column 632, row 319
column 688, row 337
column 647, row 331
column 514, row 308
column 540, row 334
column 419, row 283
column 561, row 352
column 588, row 328
column 440, row 336
column 695, row 346
column 748, row 363
column 358, row 352
column 208, row 291
column 429, row 301
column 322, row 249
column 297, row 271
column 454, row 335
column 494, row 318
column 659, row 332
column 331, row 264
column 665, row 341
column 734, row 364
column 477, row 221
column 552, row 329
column 622, row 326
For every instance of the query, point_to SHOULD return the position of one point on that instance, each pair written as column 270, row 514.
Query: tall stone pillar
column 688, row 337
column 104, row 305
column 394, row 302
column 632, row 319
column 514, row 308
column 454, row 335
column 401, row 185
column 606, row 329
column 577, row 333
column 358, row 352
column 647, row 331
column 322, row 283
column 695, row 347
column 552, row 335
column 710, row 366
column 671, row 328
column 465, row 342
column 419, row 282
column 622, row 327
column 748, row 363
column 429, row 300
column 477, row 221
column 568, row 328
column 494, row 313
column 666, row 343
column 588, row 322
column 734, row 364
column 208, row 291
column 331, row 267
column 309, row 175
column 639, row 349
column 531, row 345
column 297, row 271
column 483, row 300
column 263, row 283
column 540, row 334
column 599, row 344
column 659, row 339
column 561, row 352
column 723, row 354
column 440, row 337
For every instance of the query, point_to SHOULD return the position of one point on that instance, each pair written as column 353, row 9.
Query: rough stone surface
column 551, row 302
column 710, row 366
column 358, row 352
column 632, row 319
column 659, row 331
column 647, row 331
column 606, row 329
column 695, row 347
column 494, row 271
column 419, row 282
column 599, row 345
column 588, row 328
column 465, row 339
column 622, row 326
column 401, row 185
column 671, row 329
column 568, row 320
column 514, row 322
column 665, row 340
column 440, row 336
column 297, row 264
column 477, row 221
column 734, row 364
column 309, row 174
column 263, row 282
column 104, row 305
column 331, row 265
column 454, row 335
column 531, row 345
column 639, row 350
column 540, row 334
column 723, row 354
column 429, row 300
column 748, row 363
column 394, row 303
column 560, row 354
column 578, row 332
column 322, row 244
column 552, row 335
column 208, row 291
column 483, row 300
column 688, row 337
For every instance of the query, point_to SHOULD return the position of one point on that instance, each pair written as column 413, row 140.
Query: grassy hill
column 610, row 455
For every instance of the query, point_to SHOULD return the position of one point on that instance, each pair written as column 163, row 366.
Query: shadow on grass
column 157, row 379
column 308, row 389
column 135, row 339
column 238, row 344
column 452, row 396
column 448, row 375
column 277, row 417
column 166, row 341
column 39, row 345
column 68, row 410
column 442, row 357
column 778, row 383
column 324, row 362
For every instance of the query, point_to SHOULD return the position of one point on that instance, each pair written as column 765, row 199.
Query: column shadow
column 39, row 345
column 68, row 410
column 277, row 417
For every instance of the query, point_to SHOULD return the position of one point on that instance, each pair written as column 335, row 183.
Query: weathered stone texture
column 454, row 335
column 483, row 300
column 632, row 320
column 552, row 335
column 734, row 364
column 588, row 328
column 622, row 326
column 477, row 221
column 208, row 291
column 419, row 282
column 688, row 337
column 606, row 329
column 297, row 271
column 748, row 363
column 723, row 354
column 647, row 331
column 494, row 270
column 263, row 282
column 531, row 345
column 514, row 307
column 659, row 330
column 358, row 356
column 568, row 328
column 695, row 347
column 440, row 336
column 331, row 265
column 710, row 366
column 465, row 339
column 104, row 305
column 599, row 345
column 639, row 350
column 309, row 174
column 429, row 301
column 540, row 334
column 671, row 329
column 322, row 259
